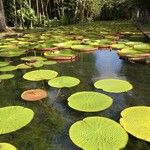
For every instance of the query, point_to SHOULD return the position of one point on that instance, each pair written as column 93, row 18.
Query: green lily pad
column 36, row 64
column 113, row 85
column 4, row 63
column 60, row 55
column 38, row 75
column 98, row 133
column 33, row 58
column 136, row 121
column 7, row 146
column 8, row 68
column 12, row 53
column 83, row 48
column 13, row 118
column 118, row 46
column 48, row 62
column 23, row 66
column 89, row 101
column 142, row 47
column 64, row 81
column 6, row 76
column 133, row 43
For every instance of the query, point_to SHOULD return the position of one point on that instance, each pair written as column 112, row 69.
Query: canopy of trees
column 39, row 13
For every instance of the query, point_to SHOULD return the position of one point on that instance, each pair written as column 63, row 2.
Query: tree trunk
column 3, row 26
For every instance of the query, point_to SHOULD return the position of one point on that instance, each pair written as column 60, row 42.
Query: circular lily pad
column 98, row 133
column 8, row 68
column 60, row 55
column 12, row 53
column 33, row 58
column 36, row 64
column 83, row 48
column 89, row 101
column 6, row 76
column 7, row 146
column 34, row 95
column 49, row 62
column 23, row 66
column 64, row 81
column 38, row 75
column 113, row 85
column 118, row 46
column 4, row 63
column 13, row 118
column 136, row 121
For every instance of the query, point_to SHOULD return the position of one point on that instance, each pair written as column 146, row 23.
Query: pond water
column 53, row 118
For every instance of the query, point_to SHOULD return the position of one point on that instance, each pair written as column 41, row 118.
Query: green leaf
column 98, row 133
column 136, row 121
column 4, row 63
column 7, row 146
column 113, row 85
column 83, row 48
column 6, row 76
column 38, row 75
column 59, row 55
column 33, row 58
column 49, row 62
column 13, row 118
column 23, row 66
column 64, row 81
column 89, row 101
column 8, row 68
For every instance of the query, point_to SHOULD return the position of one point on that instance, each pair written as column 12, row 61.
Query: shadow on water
column 49, row 128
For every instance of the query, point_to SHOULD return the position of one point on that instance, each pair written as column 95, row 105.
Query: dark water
column 49, row 128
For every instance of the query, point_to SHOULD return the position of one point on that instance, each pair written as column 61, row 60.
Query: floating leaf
column 38, row 75
column 89, row 101
column 83, row 48
column 36, row 64
column 118, row 46
column 8, row 68
column 64, row 81
column 113, row 85
column 7, row 146
column 6, row 76
column 136, row 121
column 33, row 58
column 34, row 95
column 49, row 62
column 60, row 55
column 98, row 133
column 13, row 118
column 23, row 66
column 4, row 63
column 12, row 53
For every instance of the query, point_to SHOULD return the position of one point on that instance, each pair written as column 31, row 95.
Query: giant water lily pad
column 64, row 81
column 4, row 63
column 12, row 53
column 118, row 46
column 38, row 75
column 6, row 76
column 60, row 55
column 113, row 85
column 48, row 62
column 33, row 58
column 13, row 118
column 98, row 133
column 23, row 66
column 8, row 68
column 7, row 146
column 136, row 121
column 89, row 101
column 143, row 47
column 83, row 48
column 34, row 95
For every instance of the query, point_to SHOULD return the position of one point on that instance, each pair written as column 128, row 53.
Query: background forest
column 47, row 13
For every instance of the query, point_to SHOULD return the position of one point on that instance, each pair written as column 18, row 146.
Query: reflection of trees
column 139, row 76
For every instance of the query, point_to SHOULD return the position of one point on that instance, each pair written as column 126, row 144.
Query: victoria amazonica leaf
column 98, row 133
column 64, row 81
column 13, row 118
column 7, row 146
column 6, row 76
column 89, row 101
column 113, row 85
column 38, row 75
column 136, row 121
